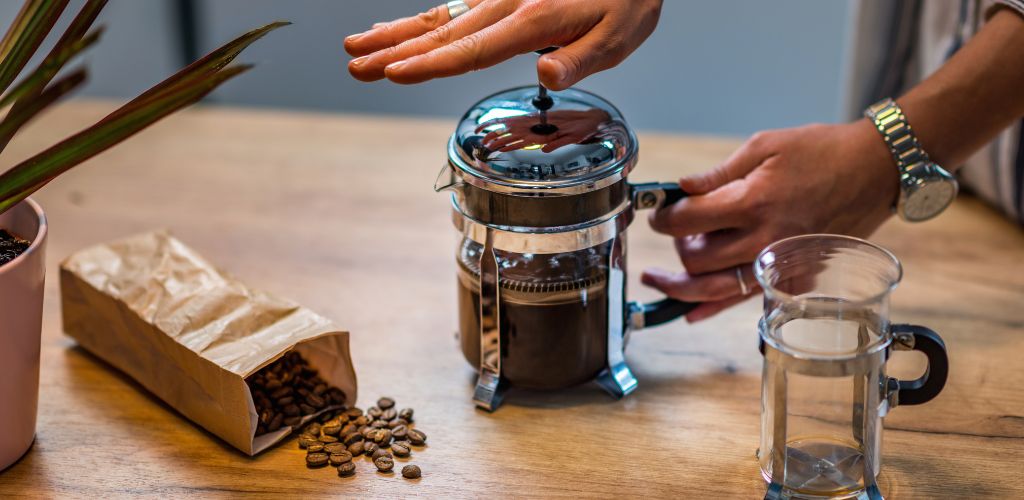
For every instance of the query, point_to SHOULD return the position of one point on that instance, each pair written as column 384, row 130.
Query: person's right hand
column 594, row 35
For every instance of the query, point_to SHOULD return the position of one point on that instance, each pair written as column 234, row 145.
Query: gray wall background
column 717, row 67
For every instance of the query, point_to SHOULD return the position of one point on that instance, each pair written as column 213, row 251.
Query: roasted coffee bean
column 324, row 417
column 324, row 438
column 335, row 396
column 400, row 450
column 305, row 440
column 315, row 447
column 389, row 414
column 370, row 447
column 261, row 429
column 399, row 432
column 379, row 424
column 291, row 410
column 280, row 393
column 302, row 390
column 382, row 437
column 313, row 429
column 348, row 429
column 340, row 457
column 335, row 447
column 404, row 442
column 381, row 452
column 266, row 416
column 385, row 403
column 347, row 469
column 356, row 448
column 320, row 389
column 306, row 409
column 275, row 423
column 384, row 464
column 354, row 412
column 406, row 414
column 394, row 424
column 374, row 412
column 293, row 421
column 366, row 431
column 332, row 428
column 285, row 401
column 411, row 472
column 314, row 460
column 362, row 420
column 417, row 437
column 273, row 384
column 355, row 437
column 316, row 401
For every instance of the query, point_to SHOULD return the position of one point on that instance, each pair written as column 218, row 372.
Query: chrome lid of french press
column 530, row 141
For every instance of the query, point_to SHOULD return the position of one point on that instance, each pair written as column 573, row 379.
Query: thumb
column 752, row 153
column 568, row 65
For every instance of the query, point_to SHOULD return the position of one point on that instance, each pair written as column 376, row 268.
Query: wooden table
column 338, row 213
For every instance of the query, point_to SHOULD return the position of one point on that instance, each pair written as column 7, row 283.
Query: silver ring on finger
column 744, row 289
column 457, row 8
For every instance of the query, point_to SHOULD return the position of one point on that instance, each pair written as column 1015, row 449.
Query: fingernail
column 359, row 61
column 352, row 38
column 395, row 66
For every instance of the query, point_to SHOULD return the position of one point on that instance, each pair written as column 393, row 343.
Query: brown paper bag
column 155, row 309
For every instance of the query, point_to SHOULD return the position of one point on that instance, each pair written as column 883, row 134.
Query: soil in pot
column 11, row 246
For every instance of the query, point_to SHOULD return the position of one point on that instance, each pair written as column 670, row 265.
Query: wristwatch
column 926, row 189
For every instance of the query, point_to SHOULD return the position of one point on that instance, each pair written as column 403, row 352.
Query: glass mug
column 825, row 337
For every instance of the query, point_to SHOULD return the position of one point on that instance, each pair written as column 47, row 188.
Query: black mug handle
column 647, row 196
column 929, row 385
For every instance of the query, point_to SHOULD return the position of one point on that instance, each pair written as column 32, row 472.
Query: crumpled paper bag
column 158, row 311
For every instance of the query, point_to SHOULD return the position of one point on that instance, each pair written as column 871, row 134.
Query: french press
column 826, row 339
column 541, row 202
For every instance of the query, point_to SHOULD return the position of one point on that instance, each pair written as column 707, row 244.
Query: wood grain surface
column 337, row 212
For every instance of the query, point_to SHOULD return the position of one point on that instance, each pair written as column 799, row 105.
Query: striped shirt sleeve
column 1017, row 5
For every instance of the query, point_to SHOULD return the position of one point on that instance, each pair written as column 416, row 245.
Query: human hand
column 517, row 132
column 594, row 35
column 813, row 179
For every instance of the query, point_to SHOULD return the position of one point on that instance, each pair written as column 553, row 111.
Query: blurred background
column 724, row 67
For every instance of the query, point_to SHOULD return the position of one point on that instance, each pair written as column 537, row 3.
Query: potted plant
column 22, row 223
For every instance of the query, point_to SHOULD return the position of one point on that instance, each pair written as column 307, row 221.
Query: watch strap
column 903, row 145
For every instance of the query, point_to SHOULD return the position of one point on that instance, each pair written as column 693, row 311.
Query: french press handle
column 929, row 385
column 657, row 195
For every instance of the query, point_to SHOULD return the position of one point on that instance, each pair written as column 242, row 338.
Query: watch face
column 929, row 199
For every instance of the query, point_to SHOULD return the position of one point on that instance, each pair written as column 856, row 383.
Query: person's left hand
column 812, row 179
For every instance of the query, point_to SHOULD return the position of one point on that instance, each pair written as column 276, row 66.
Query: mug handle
column 927, row 386
column 657, row 195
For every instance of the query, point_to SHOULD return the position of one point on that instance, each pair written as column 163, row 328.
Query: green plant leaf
column 28, row 176
column 26, row 109
column 26, row 33
column 208, row 64
column 33, row 84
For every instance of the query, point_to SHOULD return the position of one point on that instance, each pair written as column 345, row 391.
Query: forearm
column 975, row 95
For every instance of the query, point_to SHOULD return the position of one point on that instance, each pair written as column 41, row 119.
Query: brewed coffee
column 554, row 314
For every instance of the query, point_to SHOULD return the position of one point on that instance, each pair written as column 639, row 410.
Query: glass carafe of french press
column 826, row 338
column 541, row 202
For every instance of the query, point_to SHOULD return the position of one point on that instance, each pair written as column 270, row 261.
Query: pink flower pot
column 21, row 317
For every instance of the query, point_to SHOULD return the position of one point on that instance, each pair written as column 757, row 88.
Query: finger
column 560, row 142
column 389, row 34
column 589, row 54
column 503, row 141
column 740, row 163
column 498, row 42
column 715, row 211
column 709, row 309
column 719, row 251
column 371, row 67
column 709, row 287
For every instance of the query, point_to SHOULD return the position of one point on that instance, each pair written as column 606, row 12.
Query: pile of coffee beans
column 288, row 390
column 380, row 434
column 11, row 246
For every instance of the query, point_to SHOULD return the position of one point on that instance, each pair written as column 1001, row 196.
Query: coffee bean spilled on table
column 288, row 390
column 11, row 246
